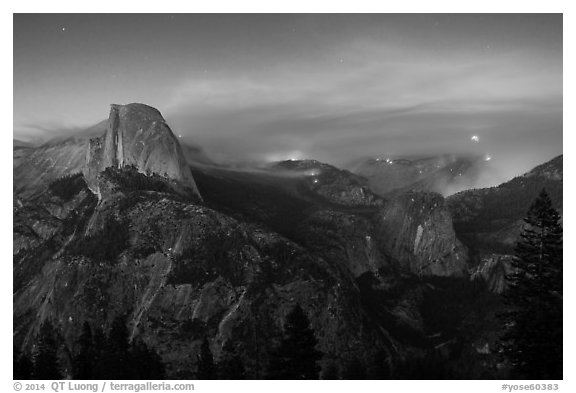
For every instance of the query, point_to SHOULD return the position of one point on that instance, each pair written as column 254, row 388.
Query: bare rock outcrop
column 137, row 135
column 416, row 229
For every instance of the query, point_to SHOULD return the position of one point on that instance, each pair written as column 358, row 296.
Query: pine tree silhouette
column 532, row 341
column 113, row 357
column 45, row 361
column 297, row 356
column 99, row 340
column 379, row 368
column 206, row 367
column 145, row 362
column 231, row 367
column 22, row 365
column 115, row 361
column 83, row 362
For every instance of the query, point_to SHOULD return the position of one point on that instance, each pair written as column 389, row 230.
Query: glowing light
column 475, row 139
column 488, row 158
column 282, row 156
column 315, row 180
column 295, row 155
column 312, row 172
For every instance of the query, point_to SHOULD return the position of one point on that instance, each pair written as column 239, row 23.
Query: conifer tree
column 206, row 367
column 231, row 367
column 100, row 342
column 22, row 365
column 532, row 339
column 146, row 363
column 83, row 362
column 379, row 368
column 297, row 356
column 115, row 361
column 46, row 354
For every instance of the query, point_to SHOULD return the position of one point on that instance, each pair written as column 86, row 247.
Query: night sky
column 330, row 87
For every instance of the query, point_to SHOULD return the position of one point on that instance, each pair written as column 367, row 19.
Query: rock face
column 344, row 239
column 493, row 270
column 416, row 229
column 137, row 135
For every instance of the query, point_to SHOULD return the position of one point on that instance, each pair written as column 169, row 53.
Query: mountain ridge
column 444, row 174
column 385, row 280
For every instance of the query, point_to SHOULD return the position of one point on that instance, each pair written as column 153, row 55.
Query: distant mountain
column 335, row 185
column 445, row 174
column 20, row 144
column 124, row 221
column 35, row 167
column 20, row 151
column 489, row 220
column 549, row 171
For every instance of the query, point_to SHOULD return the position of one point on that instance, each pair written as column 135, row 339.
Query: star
column 64, row 29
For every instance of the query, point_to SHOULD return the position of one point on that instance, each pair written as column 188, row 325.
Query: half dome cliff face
column 137, row 135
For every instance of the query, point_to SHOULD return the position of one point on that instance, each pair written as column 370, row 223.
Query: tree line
column 112, row 356
column 98, row 356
